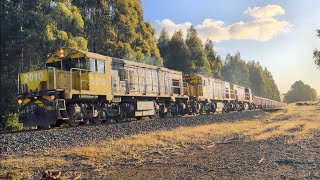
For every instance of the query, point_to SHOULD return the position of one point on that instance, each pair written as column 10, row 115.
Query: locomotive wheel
column 226, row 108
column 162, row 115
column 97, row 120
column 242, row 107
column 123, row 118
column 74, row 119
column 58, row 124
column 74, row 114
column 213, row 107
column 239, row 107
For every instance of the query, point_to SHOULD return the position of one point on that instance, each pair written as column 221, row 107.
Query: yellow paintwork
column 25, row 101
column 34, row 78
column 74, row 82
column 39, row 103
column 67, row 52
column 196, row 87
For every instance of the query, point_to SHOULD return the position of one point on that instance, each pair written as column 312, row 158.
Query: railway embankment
column 61, row 138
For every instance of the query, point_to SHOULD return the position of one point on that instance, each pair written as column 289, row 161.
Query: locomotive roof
column 69, row 52
column 72, row 52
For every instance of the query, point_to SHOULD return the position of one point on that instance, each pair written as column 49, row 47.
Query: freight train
column 81, row 87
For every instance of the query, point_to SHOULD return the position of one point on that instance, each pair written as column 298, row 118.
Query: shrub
column 10, row 122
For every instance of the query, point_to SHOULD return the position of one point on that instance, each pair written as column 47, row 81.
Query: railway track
column 66, row 126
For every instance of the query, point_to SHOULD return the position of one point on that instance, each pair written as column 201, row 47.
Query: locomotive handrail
column 54, row 77
column 80, row 76
column 18, row 83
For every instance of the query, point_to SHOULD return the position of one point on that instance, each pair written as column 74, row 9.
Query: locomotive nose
column 33, row 79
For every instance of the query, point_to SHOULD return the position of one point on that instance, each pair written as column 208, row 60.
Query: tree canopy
column 235, row 70
column 250, row 74
column 198, row 57
column 191, row 56
column 32, row 29
column 177, row 54
column 215, row 61
column 300, row 92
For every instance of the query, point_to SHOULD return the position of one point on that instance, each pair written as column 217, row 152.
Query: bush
column 10, row 122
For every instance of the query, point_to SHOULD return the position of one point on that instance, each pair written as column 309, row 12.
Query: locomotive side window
column 100, row 67
column 83, row 64
column 92, row 64
column 122, row 74
column 176, row 82
column 176, row 86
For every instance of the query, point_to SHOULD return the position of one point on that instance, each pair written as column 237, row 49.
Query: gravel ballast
column 20, row 143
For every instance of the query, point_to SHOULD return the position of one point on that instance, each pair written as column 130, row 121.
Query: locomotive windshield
column 68, row 64
column 55, row 64
column 74, row 63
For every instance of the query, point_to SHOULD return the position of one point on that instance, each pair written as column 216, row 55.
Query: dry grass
column 294, row 122
column 25, row 166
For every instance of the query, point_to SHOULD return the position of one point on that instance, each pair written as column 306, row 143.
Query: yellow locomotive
column 81, row 87
column 212, row 95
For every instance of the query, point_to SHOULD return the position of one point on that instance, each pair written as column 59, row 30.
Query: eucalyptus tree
column 198, row 58
column 214, row 59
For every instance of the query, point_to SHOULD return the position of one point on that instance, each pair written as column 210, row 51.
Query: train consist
column 80, row 87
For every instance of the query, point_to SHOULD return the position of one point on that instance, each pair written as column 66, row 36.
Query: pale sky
column 281, row 35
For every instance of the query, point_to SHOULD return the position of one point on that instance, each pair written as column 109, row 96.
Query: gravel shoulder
column 25, row 142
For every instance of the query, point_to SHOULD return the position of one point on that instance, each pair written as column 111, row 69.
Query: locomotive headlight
column 20, row 101
column 52, row 97
column 61, row 53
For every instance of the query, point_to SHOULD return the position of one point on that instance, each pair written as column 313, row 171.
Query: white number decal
column 40, row 74
column 25, row 78
column 97, row 81
column 29, row 77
